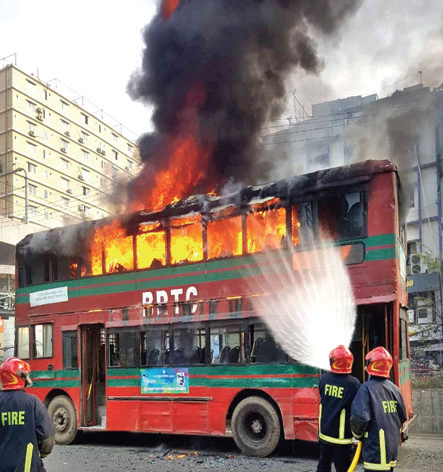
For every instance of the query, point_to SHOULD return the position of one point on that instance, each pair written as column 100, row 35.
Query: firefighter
column 378, row 413
column 26, row 431
column 337, row 391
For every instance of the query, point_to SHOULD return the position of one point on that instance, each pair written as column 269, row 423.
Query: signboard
column 166, row 380
column 45, row 297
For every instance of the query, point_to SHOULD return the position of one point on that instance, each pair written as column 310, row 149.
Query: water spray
column 309, row 307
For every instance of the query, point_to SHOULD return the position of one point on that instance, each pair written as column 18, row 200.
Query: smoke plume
column 215, row 71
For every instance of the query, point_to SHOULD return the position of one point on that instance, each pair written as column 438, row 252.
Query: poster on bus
column 165, row 380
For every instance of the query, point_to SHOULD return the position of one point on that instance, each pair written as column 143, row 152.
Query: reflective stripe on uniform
column 341, row 433
column 28, row 460
column 381, row 437
column 371, row 466
column 334, row 440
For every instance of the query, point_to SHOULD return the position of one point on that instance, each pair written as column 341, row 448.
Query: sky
column 94, row 46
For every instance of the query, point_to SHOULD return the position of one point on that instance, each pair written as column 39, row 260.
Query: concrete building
column 59, row 162
column 406, row 127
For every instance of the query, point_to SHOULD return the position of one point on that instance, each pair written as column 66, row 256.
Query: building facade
column 59, row 164
column 406, row 127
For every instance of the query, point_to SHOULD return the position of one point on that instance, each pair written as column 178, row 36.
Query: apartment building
column 59, row 162
column 70, row 159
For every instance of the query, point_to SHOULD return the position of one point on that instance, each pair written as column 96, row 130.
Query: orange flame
column 169, row 7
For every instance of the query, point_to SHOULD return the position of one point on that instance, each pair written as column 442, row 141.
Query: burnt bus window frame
column 279, row 355
column 70, row 356
column 118, row 357
column 227, row 358
column 147, row 357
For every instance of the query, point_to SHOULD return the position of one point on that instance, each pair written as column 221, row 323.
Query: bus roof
column 196, row 204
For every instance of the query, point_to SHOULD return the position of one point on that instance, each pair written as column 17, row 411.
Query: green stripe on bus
column 56, row 383
column 58, row 374
column 381, row 254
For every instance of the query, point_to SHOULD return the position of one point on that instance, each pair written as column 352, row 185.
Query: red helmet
column 378, row 362
column 341, row 360
column 14, row 374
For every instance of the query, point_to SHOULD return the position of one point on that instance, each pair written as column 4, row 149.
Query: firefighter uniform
column 378, row 412
column 24, row 427
column 337, row 391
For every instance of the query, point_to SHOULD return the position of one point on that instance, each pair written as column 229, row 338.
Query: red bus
column 146, row 323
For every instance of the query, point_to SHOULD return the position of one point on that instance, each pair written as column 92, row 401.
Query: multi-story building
column 59, row 164
column 406, row 127
column 70, row 158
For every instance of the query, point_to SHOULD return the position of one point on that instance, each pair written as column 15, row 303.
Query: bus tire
column 62, row 413
column 256, row 427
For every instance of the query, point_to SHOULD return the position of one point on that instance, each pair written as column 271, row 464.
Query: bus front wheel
column 256, row 427
column 62, row 413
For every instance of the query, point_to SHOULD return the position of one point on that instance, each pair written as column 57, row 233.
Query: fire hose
column 356, row 457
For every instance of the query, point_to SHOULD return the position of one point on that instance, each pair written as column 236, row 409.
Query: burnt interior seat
column 234, row 355
column 224, row 355
column 195, row 356
column 154, row 357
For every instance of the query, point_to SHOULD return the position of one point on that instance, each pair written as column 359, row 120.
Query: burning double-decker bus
column 146, row 322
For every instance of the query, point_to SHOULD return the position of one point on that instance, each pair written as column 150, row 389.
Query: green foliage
column 425, row 382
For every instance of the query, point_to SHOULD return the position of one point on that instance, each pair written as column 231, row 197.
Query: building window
column 115, row 136
column 85, row 118
column 130, row 148
column 84, row 174
column 32, row 211
column 65, row 183
column 130, row 165
column 64, row 105
column 65, row 163
column 102, row 181
column 31, row 128
column 45, row 135
column 46, row 195
column 65, row 202
column 115, row 155
column 102, row 164
column 85, row 191
column 64, row 145
column 45, row 94
column 84, row 136
column 32, row 168
column 84, row 209
column 32, row 189
column 85, row 155
column 65, row 127
column 30, row 86
column 31, row 106
column 31, row 149
column 114, row 172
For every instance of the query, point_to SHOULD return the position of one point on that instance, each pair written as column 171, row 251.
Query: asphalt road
column 112, row 452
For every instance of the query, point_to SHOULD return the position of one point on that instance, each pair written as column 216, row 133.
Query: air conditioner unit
column 103, row 152
column 411, row 316
column 40, row 117
column 99, row 150
column 81, row 208
column 80, row 177
column 127, row 168
column 38, row 110
column 80, row 140
column 69, row 190
column 31, row 133
column 416, row 264
column 67, row 133
column 424, row 315
column 63, row 149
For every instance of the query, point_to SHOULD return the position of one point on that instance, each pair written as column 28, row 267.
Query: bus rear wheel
column 62, row 413
column 256, row 427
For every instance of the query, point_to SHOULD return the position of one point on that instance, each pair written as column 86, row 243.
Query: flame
column 169, row 7
column 186, row 240
column 224, row 237
column 266, row 229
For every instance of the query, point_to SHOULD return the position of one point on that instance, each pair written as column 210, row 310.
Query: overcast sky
column 93, row 47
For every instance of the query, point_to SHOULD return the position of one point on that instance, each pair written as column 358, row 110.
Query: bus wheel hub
column 256, row 426
column 61, row 419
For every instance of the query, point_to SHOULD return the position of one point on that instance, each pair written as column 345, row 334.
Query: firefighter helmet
column 378, row 362
column 14, row 374
column 341, row 359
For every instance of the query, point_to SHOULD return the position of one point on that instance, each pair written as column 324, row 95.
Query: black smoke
column 239, row 53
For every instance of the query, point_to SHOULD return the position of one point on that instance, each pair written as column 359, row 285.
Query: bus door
column 373, row 328
column 93, row 393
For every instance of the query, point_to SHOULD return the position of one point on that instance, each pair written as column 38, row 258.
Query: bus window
column 301, row 221
column 119, row 254
column 188, row 346
column 42, row 341
column 224, row 237
column 227, row 345
column 264, row 348
column 23, row 342
column 186, row 240
column 403, row 340
column 70, row 350
column 152, row 347
column 151, row 247
column 123, row 349
column 342, row 216
column 266, row 229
